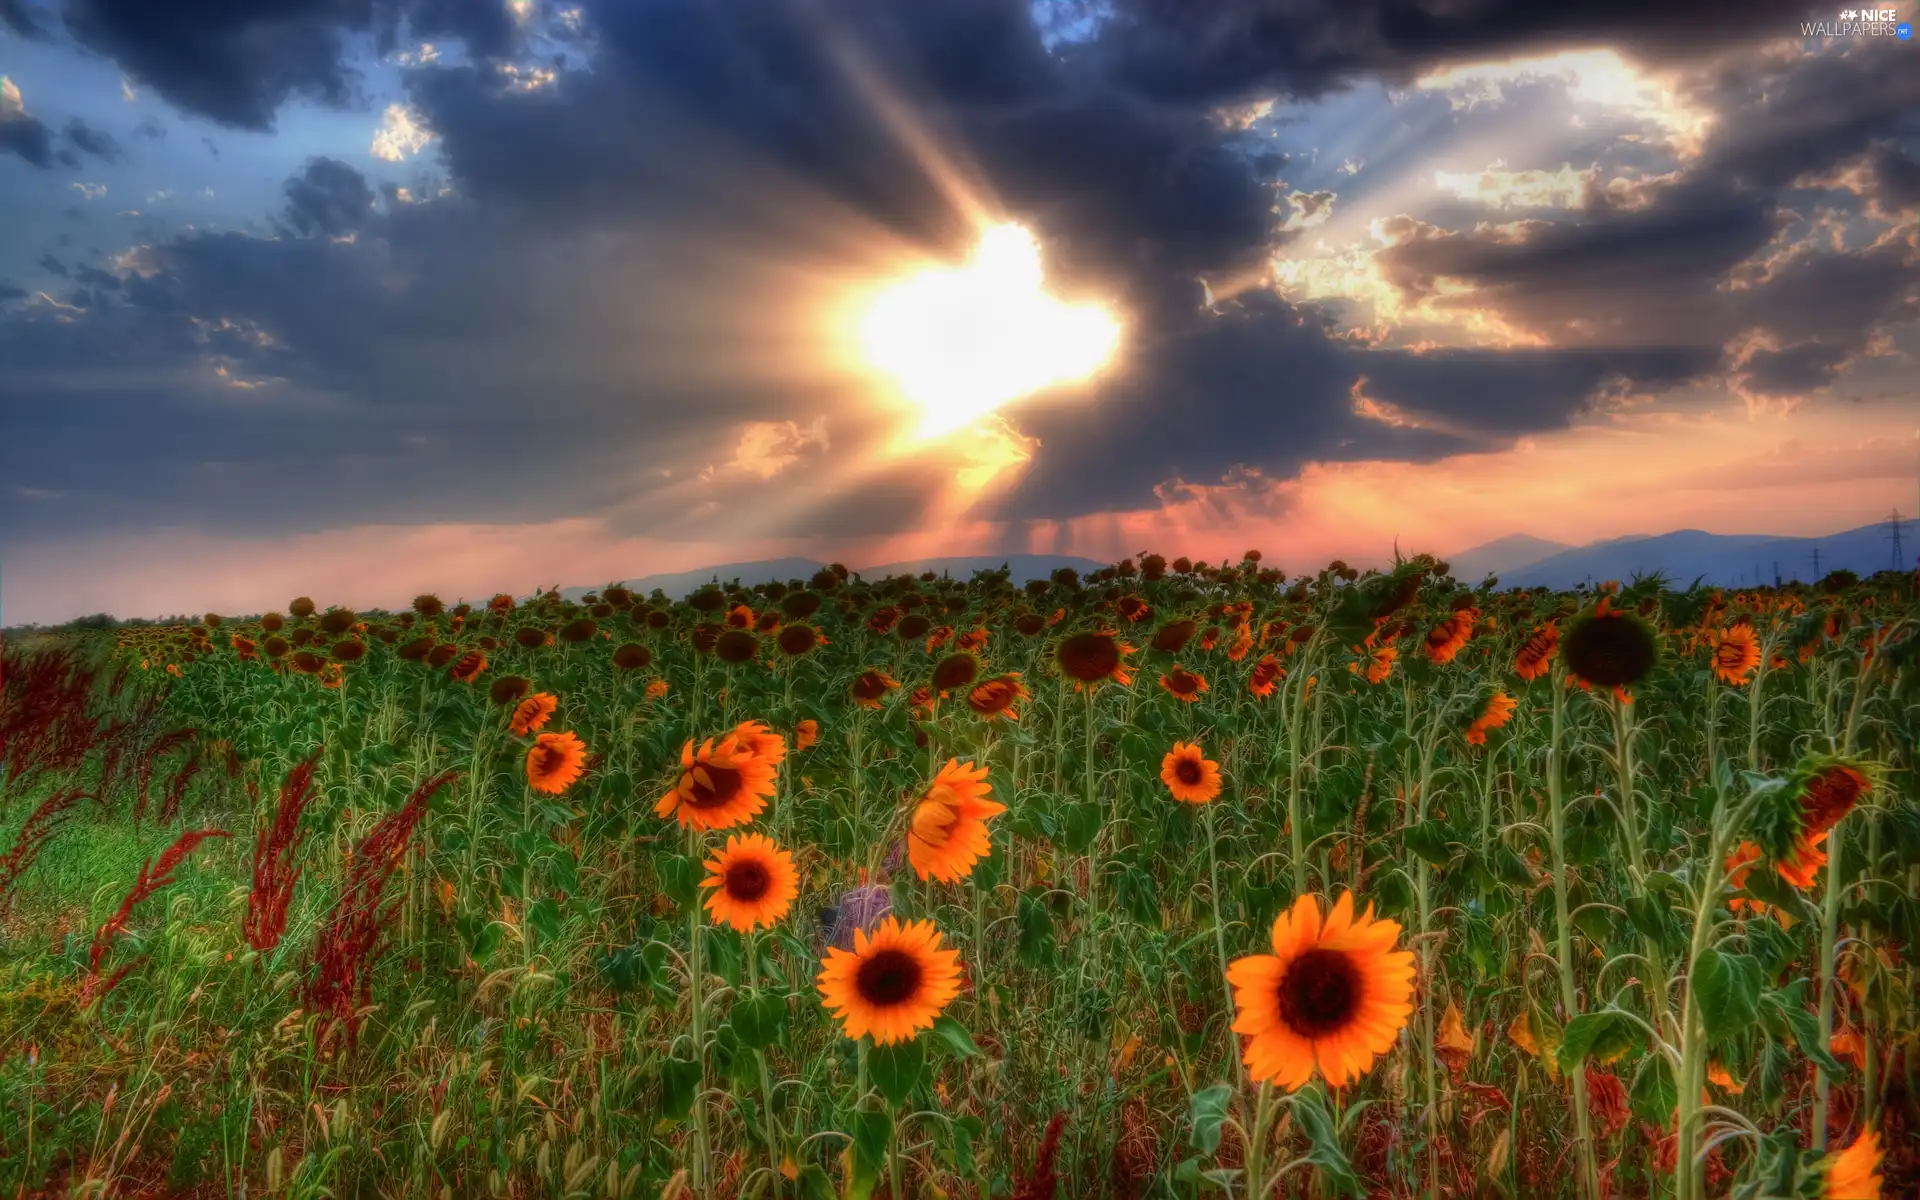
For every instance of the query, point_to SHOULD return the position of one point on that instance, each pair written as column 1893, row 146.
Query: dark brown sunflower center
column 547, row 760
column 1320, row 993
column 1611, row 651
column 748, row 881
column 1830, row 796
column 888, row 978
column 1089, row 656
column 1187, row 771
column 954, row 671
column 1182, row 683
column 724, row 784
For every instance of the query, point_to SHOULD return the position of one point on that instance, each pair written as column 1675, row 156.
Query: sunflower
column 1379, row 664
column 720, row 785
column 1334, row 993
column 1266, row 674
column 1189, row 775
column 554, row 761
column 656, row 688
column 1498, row 712
column 955, row 671
column 796, row 640
column 530, row 714
column 1183, row 685
column 974, row 639
column 1030, row 623
column 1821, row 791
column 736, row 646
column 759, row 740
column 1800, row 873
column 1736, row 653
column 1089, row 658
column 1536, row 653
column 332, row 675
column 806, row 733
column 1242, row 642
column 883, row 619
column 307, row 662
column 892, row 984
column 997, row 696
column 1172, row 637
column 753, row 881
column 508, row 688
column 245, row 647
column 1132, row 608
column 740, row 617
column 1446, row 639
column 632, row 657
column 1854, row 1173
column 949, row 829
column 1606, row 647
column 468, row 666
column 872, row 687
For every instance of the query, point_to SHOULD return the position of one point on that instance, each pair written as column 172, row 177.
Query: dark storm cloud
column 237, row 63
column 496, row 355
column 8, row 292
column 1204, row 53
column 328, row 196
column 26, row 136
column 88, row 140
column 50, row 263
column 24, row 18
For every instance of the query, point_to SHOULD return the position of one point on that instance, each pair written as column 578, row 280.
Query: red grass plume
column 275, row 859
column 42, row 824
column 354, row 937
column 1042, row 1181
column 153, row 876
column 46, row 719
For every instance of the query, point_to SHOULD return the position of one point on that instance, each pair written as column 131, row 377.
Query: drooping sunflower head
column 806, row 733
column 1266, row 674
column 468, row 666
column 1132, row 608
column 1172, row 637
column 1183, row 685
column 1496, row 711
column 736, row 646
column 1536, row 653
column 1333, row 995
column 759, row 740
column 1854, row 1173
column 428, row 605
column 532, row 713
column 509, row 688
column 996, row 697
column 554, row 761
column 301, row 607
column 720, row 785
column 1191, row 777
column 532, row 637
column 948, row 831
column 1090, row 658
column 307, row 662
column 1736, row 653
column 800, row 605
column 955, row 671
column 1607, row 648
column 348, row 650
column 753, row 881
column 872, row 687
column 632, row 657
column 892, row 984
column 1821, row 791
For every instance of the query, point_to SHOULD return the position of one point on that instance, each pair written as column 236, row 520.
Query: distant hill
column 1725, row 560
column 679, row 584
column 1501, row 556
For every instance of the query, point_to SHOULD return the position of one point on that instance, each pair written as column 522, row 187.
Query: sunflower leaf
column 679, row 1080
column 896, row 1069
column 759, row 1020
column 954, row 1036
column 1605, row 1035
column 1727, row 988
column 1208, row 1109
column 1310, row 1109
column 1653, row 1093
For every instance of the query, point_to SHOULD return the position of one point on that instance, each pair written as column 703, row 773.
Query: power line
column 1894, row 537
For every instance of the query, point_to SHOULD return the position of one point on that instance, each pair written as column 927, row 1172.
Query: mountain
column 1501, row 556
column 1725, row 560
column 678, row 584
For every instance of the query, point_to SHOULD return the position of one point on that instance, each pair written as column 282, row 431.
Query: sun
column 959, row 342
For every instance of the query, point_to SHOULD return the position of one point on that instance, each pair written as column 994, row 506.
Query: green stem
column 696, row 970
column 1220, row 945
column 1829, row 933
column 1569, row 997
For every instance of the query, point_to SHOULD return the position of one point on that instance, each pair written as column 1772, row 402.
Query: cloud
column 20, row 133
column 1500, row 188
column 399, row 137
column 96, row 142
column 329, row 197
column 21, row 17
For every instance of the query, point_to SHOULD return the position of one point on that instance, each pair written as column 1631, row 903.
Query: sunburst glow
column 959, row 342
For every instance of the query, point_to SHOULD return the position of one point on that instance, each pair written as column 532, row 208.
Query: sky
column 361, row 298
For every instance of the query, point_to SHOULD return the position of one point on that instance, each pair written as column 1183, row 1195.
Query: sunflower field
column 1176, row 880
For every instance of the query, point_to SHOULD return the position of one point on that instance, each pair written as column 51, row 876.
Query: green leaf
column 679, row 877
column 543, row 917
column 1727, row 989
column 759, row 1020
column 872, row 1130
column 1036, row 947
column 1079, row 825
column 1806, row 1035
column 896, row 1069
column 1309, row 1108
column 965, row 1132
column 954, row 1036
column 1429, row 840
column 1208, row 1109
column 1606, row 1034
column 1654, row 1094
column 679, row 1081
column 1765, row 885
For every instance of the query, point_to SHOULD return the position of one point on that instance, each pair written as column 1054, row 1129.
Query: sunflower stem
column 1829, row 932
column 766, row 1077
column 1563, row 925
column 696, row 969
column 1220, row 945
